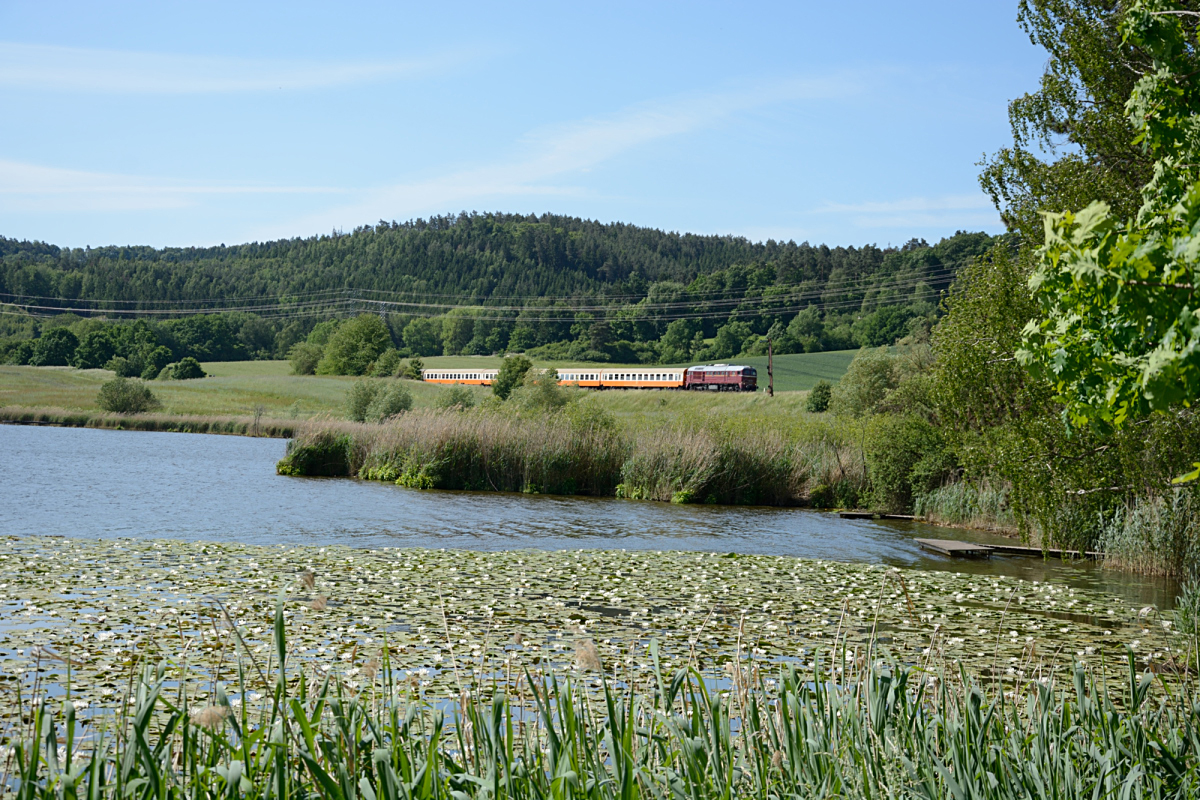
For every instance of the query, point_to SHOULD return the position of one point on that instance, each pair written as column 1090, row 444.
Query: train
column 710, row 377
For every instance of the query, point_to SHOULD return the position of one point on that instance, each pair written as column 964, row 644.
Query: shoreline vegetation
column 340, row 672
column 165, row 423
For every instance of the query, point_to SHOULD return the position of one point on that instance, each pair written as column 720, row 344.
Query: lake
column 88, row 483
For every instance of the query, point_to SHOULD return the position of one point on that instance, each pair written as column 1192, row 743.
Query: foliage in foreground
column 881, row 731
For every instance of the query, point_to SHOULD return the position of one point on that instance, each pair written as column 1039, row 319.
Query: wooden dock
column 948, row 547
column 873, row 515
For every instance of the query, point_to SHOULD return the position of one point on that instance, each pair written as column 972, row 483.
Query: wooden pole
column 770, row 370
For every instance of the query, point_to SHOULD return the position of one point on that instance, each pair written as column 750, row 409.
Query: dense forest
column 559, row 287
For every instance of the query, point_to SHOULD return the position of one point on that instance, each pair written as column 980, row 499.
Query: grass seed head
column 210, row 717
column 319, row 603
column 308, row 580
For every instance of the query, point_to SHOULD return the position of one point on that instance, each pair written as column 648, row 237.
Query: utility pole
column 770, row 370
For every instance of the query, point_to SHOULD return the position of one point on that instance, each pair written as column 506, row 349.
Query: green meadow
column 242, row 388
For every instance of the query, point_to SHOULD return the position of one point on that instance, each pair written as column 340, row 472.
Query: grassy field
column 238, row 388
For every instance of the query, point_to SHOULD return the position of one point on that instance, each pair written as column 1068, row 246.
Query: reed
column 65, row 418
column 865, row 729
column 582, row 450
column 963, row 504
column 1157, row 535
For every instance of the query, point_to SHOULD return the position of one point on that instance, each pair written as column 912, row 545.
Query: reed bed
column 582, row 450
column 864, row 729
column 962, row 504
column 66, row 418
column 1155, row 535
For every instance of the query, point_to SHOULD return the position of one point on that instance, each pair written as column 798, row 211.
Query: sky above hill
column 202, row 123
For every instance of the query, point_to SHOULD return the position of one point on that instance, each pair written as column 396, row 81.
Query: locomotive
column 712, row 377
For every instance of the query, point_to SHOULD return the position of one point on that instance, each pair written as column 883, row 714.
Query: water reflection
column 91, row 483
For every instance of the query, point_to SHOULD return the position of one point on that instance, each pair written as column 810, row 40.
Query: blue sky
column 201, row 123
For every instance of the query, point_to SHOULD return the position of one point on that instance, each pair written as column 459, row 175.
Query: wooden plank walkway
column 948, row 547
column 1054, row 552
column 873, row 515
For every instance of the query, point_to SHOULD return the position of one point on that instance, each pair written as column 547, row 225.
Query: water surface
column 101, row 484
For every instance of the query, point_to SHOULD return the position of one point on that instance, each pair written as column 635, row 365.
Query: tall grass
column 877, row 731
column 1157, row 535
column 61, row 417
column 972, row 505
column 582, row 450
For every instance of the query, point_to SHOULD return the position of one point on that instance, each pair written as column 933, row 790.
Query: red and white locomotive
column 712, row 378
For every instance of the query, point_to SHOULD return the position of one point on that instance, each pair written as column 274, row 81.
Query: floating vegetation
column 91, row 610
column 865, row 730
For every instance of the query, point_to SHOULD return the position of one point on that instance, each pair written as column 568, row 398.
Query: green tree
column 94, row 350
column 355, row 346
column 304, row 358
column 423, row 337
column 56, row 348
column 1072, row 142
column 1118, row 333
column 510, row 376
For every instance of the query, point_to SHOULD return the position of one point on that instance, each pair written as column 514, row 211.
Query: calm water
column 91, row 483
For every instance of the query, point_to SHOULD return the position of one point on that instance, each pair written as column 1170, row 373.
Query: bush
column 818, row 398
column 864, row 387
column 187, row 369
column 355, row 346
column 411, row 369
column 123, row 367
column 387, row 365
column 906, row 456
column 324, row 453
column 55, row 349
column 457, row 397
column 124, row 396
column 304, row 357
column 541, row 391
column 389, row 400
column 359, row 398
column 511, row 375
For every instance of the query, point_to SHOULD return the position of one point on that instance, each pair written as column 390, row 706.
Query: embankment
column 65, row 418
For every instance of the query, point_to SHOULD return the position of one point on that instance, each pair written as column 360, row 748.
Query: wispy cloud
column 963, row 210
column 34, row 187
column 52, row 68
column 545, row 161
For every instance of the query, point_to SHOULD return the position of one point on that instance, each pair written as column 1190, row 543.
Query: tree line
column 555, row 287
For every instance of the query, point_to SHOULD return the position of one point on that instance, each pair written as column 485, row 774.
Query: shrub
column 55, row 349
column 323, row 453
column 906, row 456
column 389, row 400
column 124, row 396
column 123, row 367
column 304, row 357
column 864, row 387
column 359, row 397
column 511, row 375
column 818, row 398
column 541, row 391
column 387, row 365
column 457, row 397
column 186, row 369
column 411, row 369
column 355, row 346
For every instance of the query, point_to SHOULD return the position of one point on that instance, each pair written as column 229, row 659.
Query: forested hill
column 618, row 275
